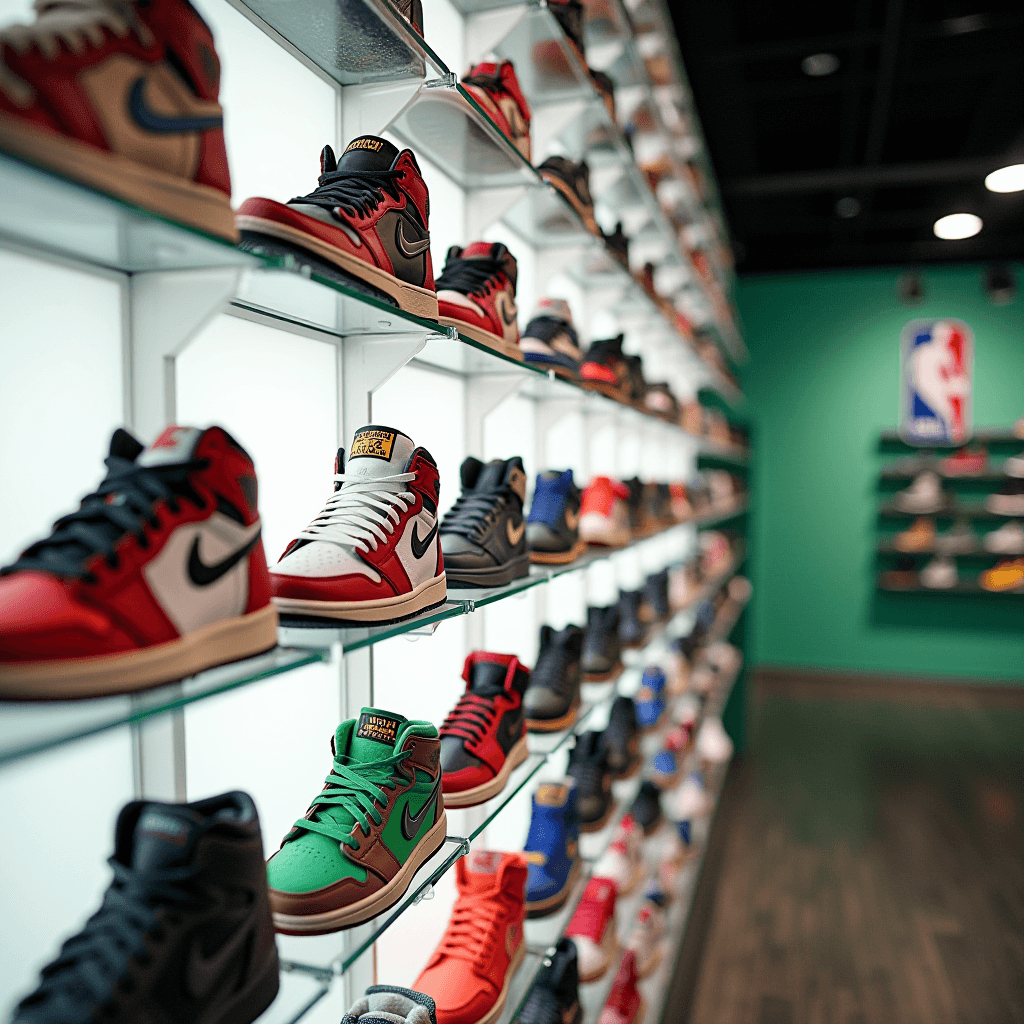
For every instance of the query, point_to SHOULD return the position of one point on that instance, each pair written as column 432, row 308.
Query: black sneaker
column 569, row 14
column 602, row 651
column 646, row 808
column 604, row 368
column 621, row 739
column 553, row 696
column 654, row 606
column 588, row 765
column 635, row 504
column 184, row 931
column 618, row 244
column 483, row 535
column 636, row 386
column 553, row 527
column 1009, row 499
column 554, row 997
column 572, row 181
column 632, row 632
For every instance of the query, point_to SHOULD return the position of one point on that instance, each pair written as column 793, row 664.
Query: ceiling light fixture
column 847, row 207
column 817, row 65
column 957, row 225
column 1006, row 179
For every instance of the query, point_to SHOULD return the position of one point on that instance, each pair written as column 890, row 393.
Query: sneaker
column 647, row 939
column 623, row 861
column 650, row 698
column 1008, row 574
column 553, row 526
column 412, row 11
column 1009, row 499
column 617, row 243
column 589, row 768
column 632, row 631
column 691, row 800
column 920, row 536
column 391, row 1004
column 372, row 554
column 604, row 513
column 496, row 89
column 965, row 462
column 624, row 1005
column 602, row 661
column 124, row 99
column 682, row 653
column 185, row 924
column 621, row 738
column 636, row 385
column 958, row 540
column 552, row 700
column 570, row 15
column 386, row 772
column 483, row 535
column 176, row 527
column 1007, row 540
column 554, row 997
column 592, row 929
column 654, row 605
column 714, row 745
column 667, row 761
column 659, row 401
column 550, row 340
column 924, row 495
column 903, row 577
column 552, row 848
column 368, row 217
column 1014, row 466
column 469, row 974
column 646, row 807
column 484, row 737
column 605, row 369
column 476, row 293
column 635, row 505
column 939, row 573
column 681, row 507
column 572, row 181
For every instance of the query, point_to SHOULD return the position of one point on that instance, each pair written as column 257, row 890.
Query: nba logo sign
column 935, row 387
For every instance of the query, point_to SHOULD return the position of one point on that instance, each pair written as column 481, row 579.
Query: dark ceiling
column 928, row 97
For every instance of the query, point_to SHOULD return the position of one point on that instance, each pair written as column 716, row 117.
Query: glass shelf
column 960, row 587
column 46, row 211
column 714, row 455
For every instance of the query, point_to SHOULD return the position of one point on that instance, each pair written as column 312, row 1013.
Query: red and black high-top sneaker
column 484, row 736
column 369, row 216
column 159, row 574
column 496, row 88
column 121, row 96
column 372, row 554
column 477, row 294
column 606, row 369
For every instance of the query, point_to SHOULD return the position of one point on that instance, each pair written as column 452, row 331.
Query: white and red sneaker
column 372, row 555
column 604, row 514
column 592, row 929
column 625, row 1005
column 623, row 861
column 476, row 293
column 496, row 88
column 159, row 574
column 368, row 216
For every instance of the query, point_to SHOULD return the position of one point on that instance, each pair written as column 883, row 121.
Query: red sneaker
column 369, row 216
column 965, row 462
column 484, row 737
column 477, row 294
column 624, row 1005
column 469, row 974
column 158, row 575
column 121, row 97
column 592, row 928
column 496, row 88
column 372, row 554
column 604, row 514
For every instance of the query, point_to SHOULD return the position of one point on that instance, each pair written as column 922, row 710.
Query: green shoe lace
column 356, row 789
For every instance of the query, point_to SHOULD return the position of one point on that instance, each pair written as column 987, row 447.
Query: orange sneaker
column 1006, row 575
column 919, row 537
column 469, row 974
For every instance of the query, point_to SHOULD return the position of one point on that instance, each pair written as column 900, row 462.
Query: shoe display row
column 926, row 495
column 943, row 573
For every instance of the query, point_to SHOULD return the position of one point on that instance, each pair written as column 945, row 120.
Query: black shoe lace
column 470, row 718
column 472, row 512
column 102, row 520
column 359, row 192
column 136, row 908
column 471, row 277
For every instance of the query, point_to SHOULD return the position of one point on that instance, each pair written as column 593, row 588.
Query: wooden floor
column 873, row 869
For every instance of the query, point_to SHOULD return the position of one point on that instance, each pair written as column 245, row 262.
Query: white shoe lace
column 364, row 512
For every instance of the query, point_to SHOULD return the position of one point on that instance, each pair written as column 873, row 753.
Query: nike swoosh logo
column 407, row 250
column 508, row 314
column 145, row 117
column 203, row 972
column 515, row 533
column 202, row 575
column 412, row 823
column 419, row 547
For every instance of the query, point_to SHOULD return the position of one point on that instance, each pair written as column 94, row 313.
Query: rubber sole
column 104, row 675
column 555, row 724
column 501, row 345
column 431, row 593
column 604, row 677
column 559, row 557
column 481, row 794
column 496, row 576
column 585, row 214
column 413, row 299
column 610, row 947
column 167, row 195
column 369, row 907
column 541, row 908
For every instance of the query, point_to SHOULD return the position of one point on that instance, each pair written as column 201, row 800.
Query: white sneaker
column 690, row 801
column 1007, row 540
column 923, row 495
column 713, row 742
column 939, row 573
column 724, row 656
column 646, row 939
column 1014, row 466
column 623, row 862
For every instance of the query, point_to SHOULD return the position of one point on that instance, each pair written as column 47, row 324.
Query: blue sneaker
column 553, row 526
column 550, row 340
column 650, row 698
column 552, row 848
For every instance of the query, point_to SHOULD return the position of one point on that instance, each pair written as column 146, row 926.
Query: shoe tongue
column 374, row 736
column 173, row 446
column 368, row 153
column 477, row 250
column 492, row 476
column 558, row 309
column 481, row 873
column 379, row 451
column 165, row 836
column 487, row 678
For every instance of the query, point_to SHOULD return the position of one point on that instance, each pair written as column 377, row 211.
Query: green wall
column 822, row 382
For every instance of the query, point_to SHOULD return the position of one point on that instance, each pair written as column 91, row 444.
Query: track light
column 1006, row 179
column 957, row 225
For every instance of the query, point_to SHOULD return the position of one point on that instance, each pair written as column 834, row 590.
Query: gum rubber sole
column 559, row 557
column 555, row 724
column 481, row 794
column 430, row 594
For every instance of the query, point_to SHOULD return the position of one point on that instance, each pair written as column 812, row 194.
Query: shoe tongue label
column 551, row 795
column 368, row 153
column 373, row 443
column 174, row 445
column 375, row 735
column 484, row 862
column 163, row 838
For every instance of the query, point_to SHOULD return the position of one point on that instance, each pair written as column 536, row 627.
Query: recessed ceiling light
column 820, row 64
column 1006, row 179
column 847, row 207
column 957, row 225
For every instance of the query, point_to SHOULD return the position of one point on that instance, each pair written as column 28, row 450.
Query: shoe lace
column 548, row 502
column 352, row 794
column 359, row 192
column 363, row 512
column 470, row 718
column 474, row 928
column 472, row 512
column 546, row 328
column 135, row 907
column 123, row 504
column 470, row 276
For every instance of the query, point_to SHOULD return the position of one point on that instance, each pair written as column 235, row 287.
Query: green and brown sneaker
column 379, row 817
